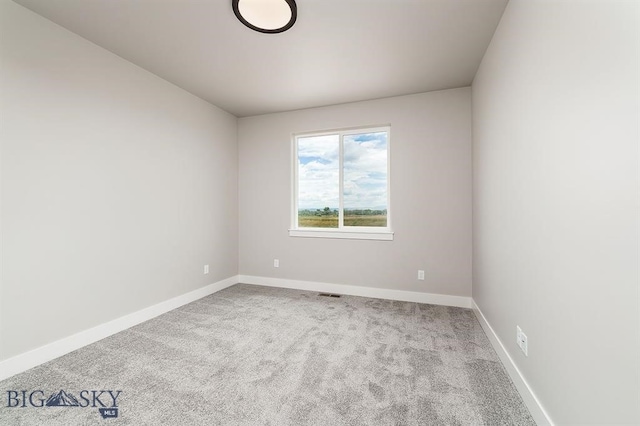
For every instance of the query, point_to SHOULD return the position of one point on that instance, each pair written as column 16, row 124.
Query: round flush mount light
column 266, row 16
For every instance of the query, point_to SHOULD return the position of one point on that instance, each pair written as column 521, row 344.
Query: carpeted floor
column 251, row 355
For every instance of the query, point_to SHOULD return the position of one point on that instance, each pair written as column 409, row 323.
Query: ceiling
column 338, row 51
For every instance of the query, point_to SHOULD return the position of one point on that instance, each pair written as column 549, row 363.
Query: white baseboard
column 352, row 290
column 528, row 396
column 35, row 357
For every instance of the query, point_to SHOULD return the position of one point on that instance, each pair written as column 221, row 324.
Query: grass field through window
column 329, row 218
column 373, row 220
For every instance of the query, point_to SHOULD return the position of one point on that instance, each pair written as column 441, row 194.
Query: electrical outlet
column 206, row 269
column 521, row 340
column 421, row 275
column 276, row 263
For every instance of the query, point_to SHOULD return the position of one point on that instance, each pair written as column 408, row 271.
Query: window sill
column 353, row 235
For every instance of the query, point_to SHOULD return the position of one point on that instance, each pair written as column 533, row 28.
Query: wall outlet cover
column 521, row 340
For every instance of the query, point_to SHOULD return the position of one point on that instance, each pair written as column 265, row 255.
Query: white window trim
column 346, row 232
column 335, row 233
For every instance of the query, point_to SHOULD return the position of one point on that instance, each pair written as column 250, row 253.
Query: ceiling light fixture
column 266, row 16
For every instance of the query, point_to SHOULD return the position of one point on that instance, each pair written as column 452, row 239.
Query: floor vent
column 328, row 295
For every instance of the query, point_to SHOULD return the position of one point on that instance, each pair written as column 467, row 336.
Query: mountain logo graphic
column 62, row 399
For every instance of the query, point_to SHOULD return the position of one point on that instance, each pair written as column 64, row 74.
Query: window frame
column 347, row 232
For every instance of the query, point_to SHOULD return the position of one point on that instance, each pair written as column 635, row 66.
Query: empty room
column 319, row 212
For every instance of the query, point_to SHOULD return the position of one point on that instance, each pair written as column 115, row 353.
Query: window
column 341, row 184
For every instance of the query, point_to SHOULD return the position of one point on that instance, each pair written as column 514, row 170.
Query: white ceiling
column 338, row 51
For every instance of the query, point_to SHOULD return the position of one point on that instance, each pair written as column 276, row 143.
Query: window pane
column 318, row 181
column 365, row 179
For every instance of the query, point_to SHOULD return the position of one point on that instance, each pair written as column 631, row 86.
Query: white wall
column 555, row 129
column 117, row 187
column 430, row 192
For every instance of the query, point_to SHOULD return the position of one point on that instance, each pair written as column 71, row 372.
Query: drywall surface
column 430, row 197
column 555, row 133
column 117, row 187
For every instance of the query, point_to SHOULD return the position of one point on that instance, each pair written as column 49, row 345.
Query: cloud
column 323, row 149
column 365, row 171
column 318, row 172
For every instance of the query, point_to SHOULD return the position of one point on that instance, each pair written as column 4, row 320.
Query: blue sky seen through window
column 365, row 171
column 365, row 176
column 318, row 172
